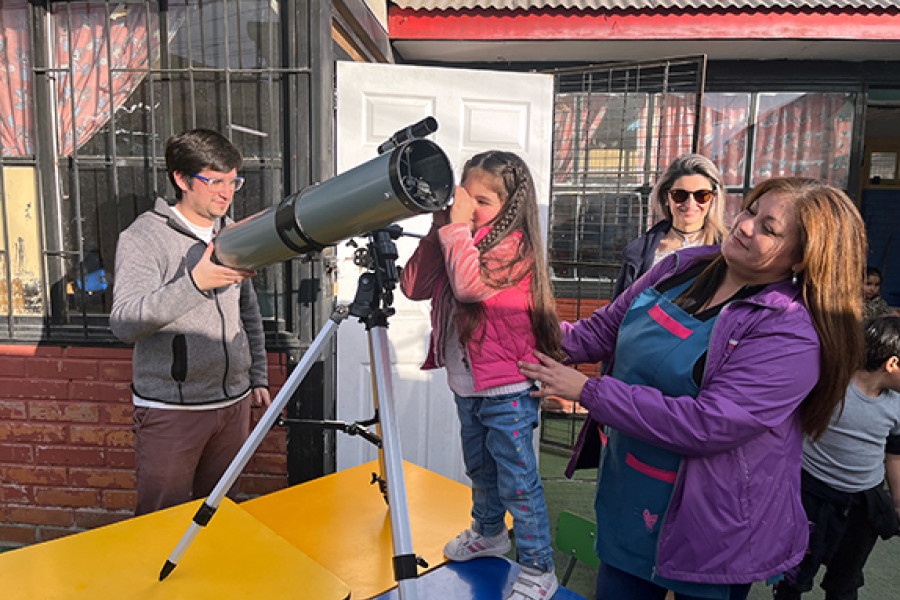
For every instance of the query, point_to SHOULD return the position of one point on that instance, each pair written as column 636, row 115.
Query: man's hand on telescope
column 208, row 275
column 463, row 209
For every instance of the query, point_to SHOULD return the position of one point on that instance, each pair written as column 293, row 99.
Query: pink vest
column 504, row 336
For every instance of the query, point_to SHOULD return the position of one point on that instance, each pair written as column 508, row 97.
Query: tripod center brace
column 372, row 305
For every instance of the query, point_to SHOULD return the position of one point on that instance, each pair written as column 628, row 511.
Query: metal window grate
column 109, row 83
column 615, row 127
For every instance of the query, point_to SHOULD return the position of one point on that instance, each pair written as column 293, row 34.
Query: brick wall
column 572, row 309
column 66, row 446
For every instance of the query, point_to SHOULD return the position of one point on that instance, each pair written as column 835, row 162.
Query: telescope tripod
column 372, row 305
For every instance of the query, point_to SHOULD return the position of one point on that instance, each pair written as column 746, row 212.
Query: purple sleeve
column 753, row 383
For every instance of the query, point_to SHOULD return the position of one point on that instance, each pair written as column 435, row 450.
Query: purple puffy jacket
column 735, row 514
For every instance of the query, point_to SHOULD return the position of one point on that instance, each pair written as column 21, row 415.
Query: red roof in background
column 646, row 5
column 462, row 31
column 632, row 24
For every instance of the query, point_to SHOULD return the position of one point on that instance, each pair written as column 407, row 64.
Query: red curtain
column 804, row 135
column 723, row 134
column 102, row 61
column 16, row 125
column 577, row 117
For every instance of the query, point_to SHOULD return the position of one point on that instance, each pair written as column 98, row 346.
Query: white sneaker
column 534, row 584
column 470, row 544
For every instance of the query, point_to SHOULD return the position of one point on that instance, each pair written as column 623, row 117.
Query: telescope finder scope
column 413, row 178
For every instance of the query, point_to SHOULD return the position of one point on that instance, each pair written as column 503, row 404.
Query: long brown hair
column 833, row 249
column 514, row 185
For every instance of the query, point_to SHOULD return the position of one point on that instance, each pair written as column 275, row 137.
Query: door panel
column 476, row 110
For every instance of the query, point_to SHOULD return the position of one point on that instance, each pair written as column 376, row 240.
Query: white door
column 476, row 110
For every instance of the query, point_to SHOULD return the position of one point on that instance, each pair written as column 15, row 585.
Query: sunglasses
column 700, row 196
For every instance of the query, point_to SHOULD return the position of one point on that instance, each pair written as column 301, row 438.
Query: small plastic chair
column 575, row 537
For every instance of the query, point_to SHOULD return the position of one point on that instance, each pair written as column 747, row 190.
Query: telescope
column 411, row 176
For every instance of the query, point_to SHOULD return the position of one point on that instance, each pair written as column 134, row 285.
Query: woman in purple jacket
column 722, row 357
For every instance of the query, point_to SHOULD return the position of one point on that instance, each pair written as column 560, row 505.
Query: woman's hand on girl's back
column 557, row 378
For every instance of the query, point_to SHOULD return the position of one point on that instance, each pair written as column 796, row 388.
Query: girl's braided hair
column 515, row 187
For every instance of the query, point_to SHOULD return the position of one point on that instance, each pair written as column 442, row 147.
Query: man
column 199, row 352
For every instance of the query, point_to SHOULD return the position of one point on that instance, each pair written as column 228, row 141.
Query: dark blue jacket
column 637, row 257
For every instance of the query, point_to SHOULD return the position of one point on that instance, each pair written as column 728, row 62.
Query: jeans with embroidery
column 497, row 435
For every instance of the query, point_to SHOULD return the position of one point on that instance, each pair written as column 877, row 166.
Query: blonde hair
column 694, row 164
column 833, row 248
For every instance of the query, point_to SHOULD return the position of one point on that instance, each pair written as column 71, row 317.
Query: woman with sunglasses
column 722, row 358
column 691, row 198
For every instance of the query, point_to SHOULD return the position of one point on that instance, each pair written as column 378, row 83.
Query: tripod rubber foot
column 167, row 568
column 405, row 567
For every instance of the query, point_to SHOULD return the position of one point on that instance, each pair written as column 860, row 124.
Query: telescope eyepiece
column 426, row 126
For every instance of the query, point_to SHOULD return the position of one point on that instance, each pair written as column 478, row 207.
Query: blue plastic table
column 479, row 579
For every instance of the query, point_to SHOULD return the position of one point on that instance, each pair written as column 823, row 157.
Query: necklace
column 685, row 235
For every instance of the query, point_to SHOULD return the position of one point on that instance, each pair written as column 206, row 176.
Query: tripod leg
column 380, row 478
column 209, row 507
column 405, row 565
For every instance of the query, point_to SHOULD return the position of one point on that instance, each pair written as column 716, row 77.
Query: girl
column 482, row 265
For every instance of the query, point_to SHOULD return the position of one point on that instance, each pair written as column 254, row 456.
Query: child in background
column 875, row 305
column 844, row 472
column 482, row 265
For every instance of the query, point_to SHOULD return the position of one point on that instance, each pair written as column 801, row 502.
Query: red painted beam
column 562, row 24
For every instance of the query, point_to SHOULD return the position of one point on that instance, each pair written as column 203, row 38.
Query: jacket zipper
column 224, row 344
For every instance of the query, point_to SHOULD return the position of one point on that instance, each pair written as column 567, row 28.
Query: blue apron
column 658, row 345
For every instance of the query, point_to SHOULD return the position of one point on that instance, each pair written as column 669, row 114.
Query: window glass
column 123, row 78
column 883, row 165
column 16, row 97
column 20, row 264
column 674, row 117
column 733, row 203
column 601, row 196
column 723, row 133
column 804, row 135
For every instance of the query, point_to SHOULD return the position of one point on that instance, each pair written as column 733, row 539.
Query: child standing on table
column 482, row 265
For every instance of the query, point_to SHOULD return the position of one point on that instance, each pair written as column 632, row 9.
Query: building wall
column 66, row 445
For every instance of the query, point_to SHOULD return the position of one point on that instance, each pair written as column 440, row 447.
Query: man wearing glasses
column 199, row 352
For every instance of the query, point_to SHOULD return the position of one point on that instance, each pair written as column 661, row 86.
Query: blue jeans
column 497, row 433
column 613, row 584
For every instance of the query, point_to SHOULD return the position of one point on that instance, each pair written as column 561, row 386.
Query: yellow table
column 234, row 556
column 342, row 522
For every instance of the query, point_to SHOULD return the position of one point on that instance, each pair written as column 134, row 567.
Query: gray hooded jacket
column 190, row 346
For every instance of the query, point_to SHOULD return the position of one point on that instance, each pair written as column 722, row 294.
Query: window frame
column 300, row 291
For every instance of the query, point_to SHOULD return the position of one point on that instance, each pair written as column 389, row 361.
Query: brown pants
column 182, row 454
